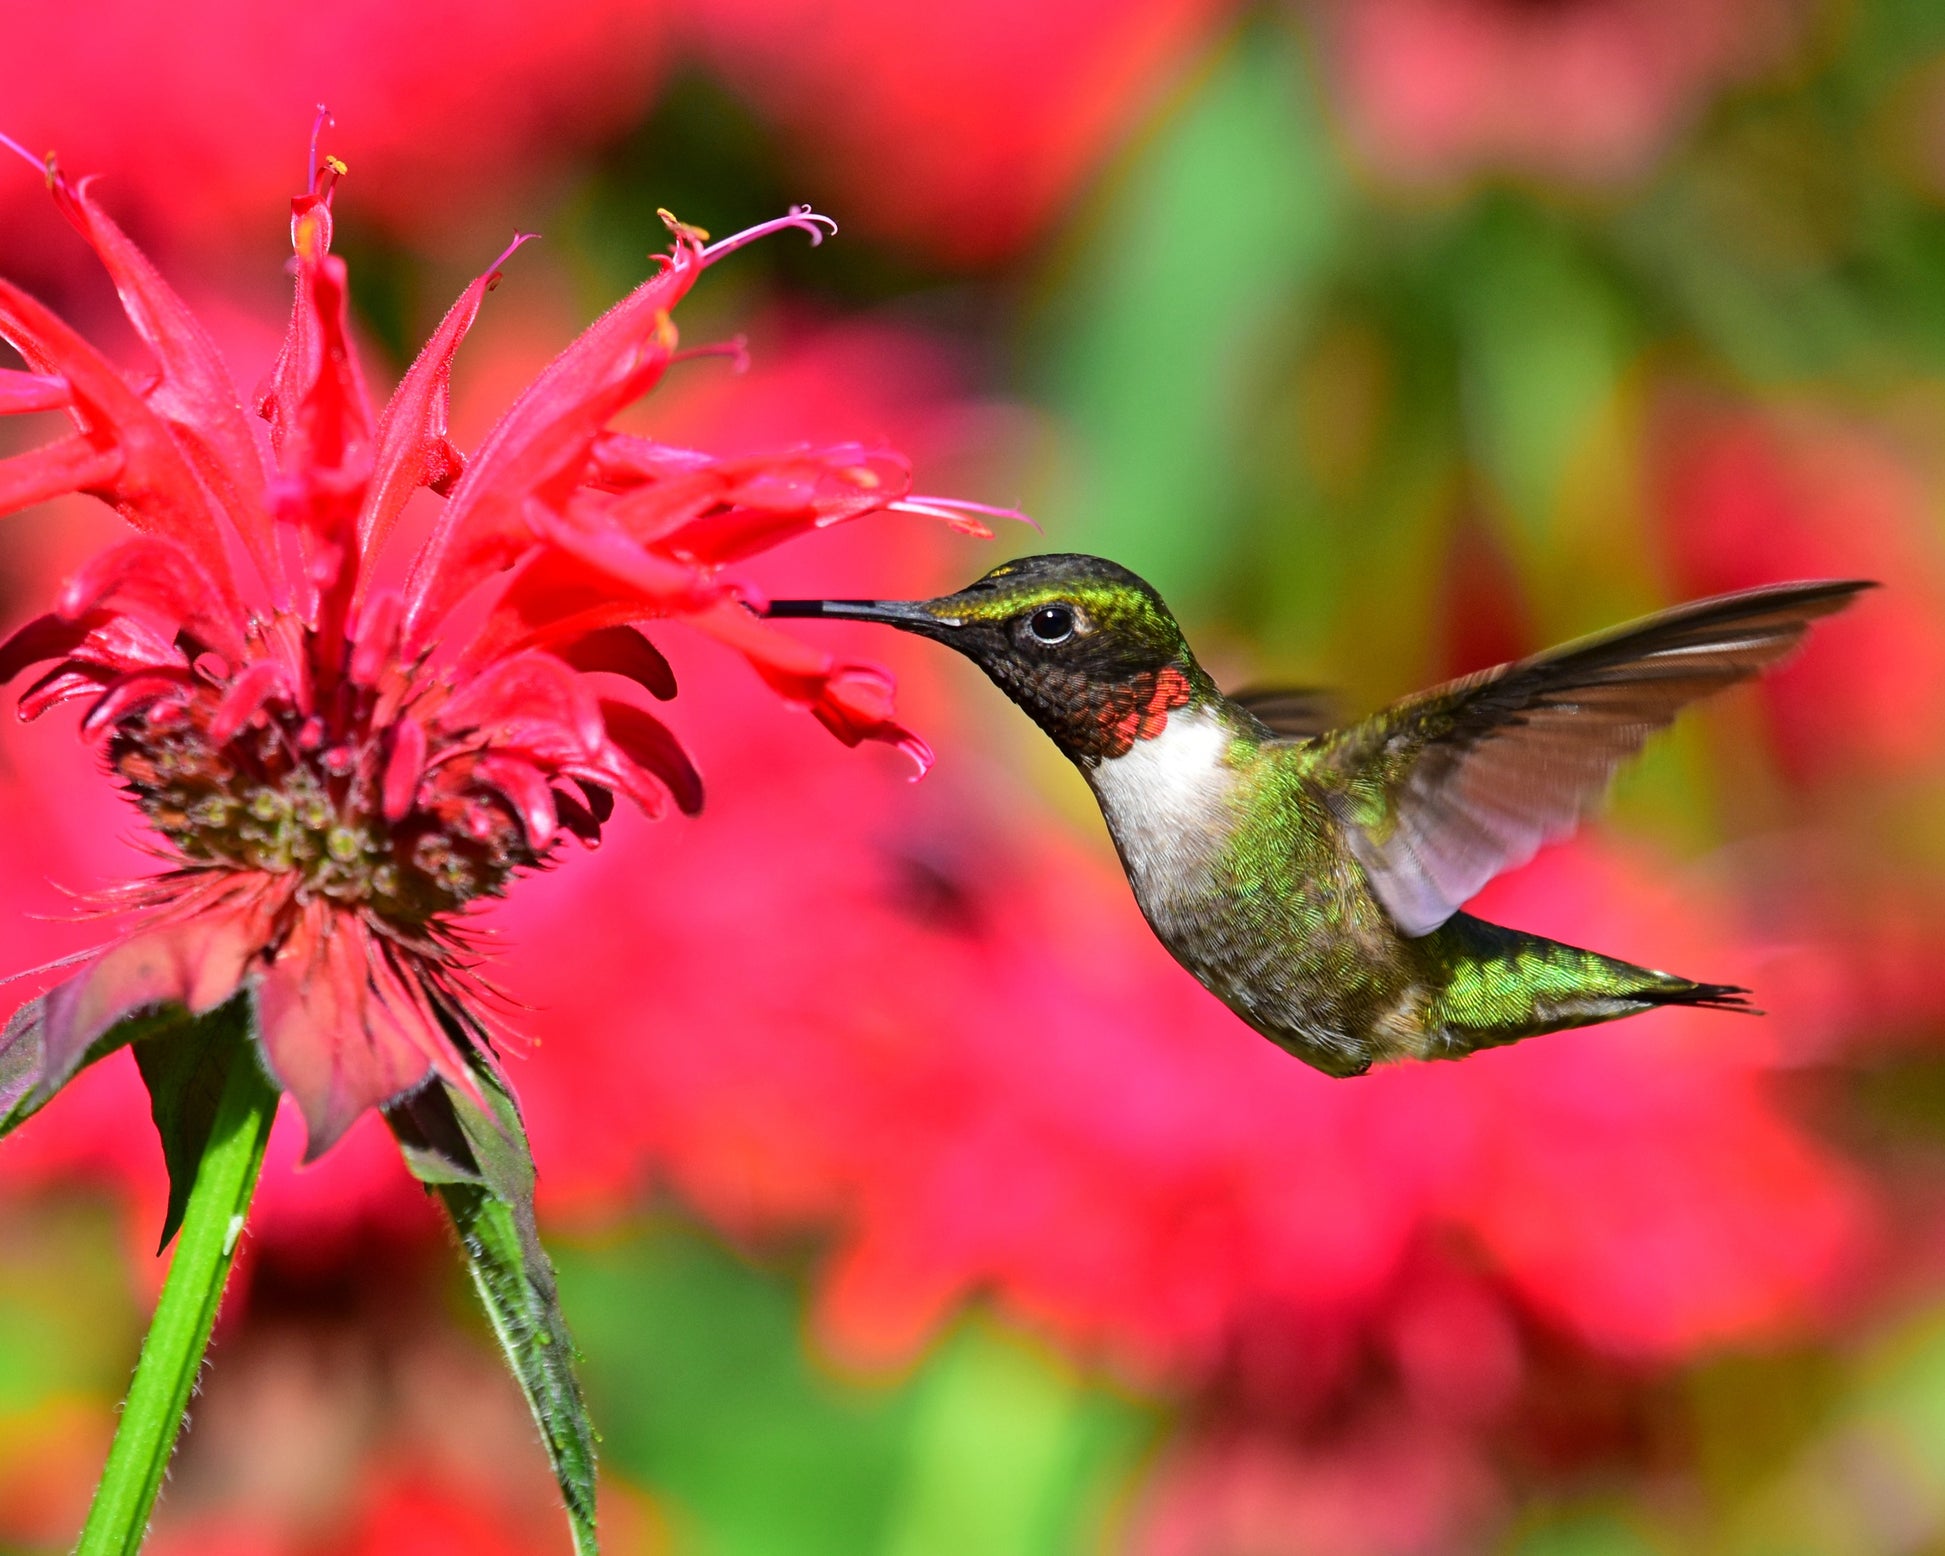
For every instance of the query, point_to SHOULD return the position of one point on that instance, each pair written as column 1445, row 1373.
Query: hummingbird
column 1312, row 877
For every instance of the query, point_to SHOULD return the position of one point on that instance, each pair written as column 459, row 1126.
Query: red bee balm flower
column 333, row 785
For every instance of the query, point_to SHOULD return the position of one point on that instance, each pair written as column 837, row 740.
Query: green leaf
column 1544, row 342
column 478, row 1162
column 22, row 1053
column 25, row 1088
column 1204, row 267
column 185, row 1077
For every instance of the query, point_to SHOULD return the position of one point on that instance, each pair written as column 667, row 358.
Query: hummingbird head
column 1084, row 646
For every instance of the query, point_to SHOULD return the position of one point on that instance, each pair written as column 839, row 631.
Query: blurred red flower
column 1750, row 496
column 912, row 116
column 1578, row 89
column 211, row 87
column 960, row 129
column 331, row 789
column 1746, row 495
column 1392, row 1485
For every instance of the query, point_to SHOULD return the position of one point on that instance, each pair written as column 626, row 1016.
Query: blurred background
column 907, row 1198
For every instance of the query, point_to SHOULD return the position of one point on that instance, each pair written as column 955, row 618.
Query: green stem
column 172, row 1355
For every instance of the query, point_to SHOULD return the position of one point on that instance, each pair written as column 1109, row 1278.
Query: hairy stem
column 172, row 1354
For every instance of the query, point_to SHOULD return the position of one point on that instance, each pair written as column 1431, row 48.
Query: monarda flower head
column 336, row 771
column 332, row 783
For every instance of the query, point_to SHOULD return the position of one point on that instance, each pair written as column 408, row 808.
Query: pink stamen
column 493, row 270
column 38, row 164
column 737, row 349
column 317, row 133
column 513, row 248
column 939, row 507
column 802, row 217
column 962, row 523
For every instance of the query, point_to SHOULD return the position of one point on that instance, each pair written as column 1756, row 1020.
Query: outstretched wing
column 1442, row 791
column 1294, row 712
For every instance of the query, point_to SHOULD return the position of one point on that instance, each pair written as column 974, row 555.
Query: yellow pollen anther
column 858, row 475
column 336, row 165
column 680, row 228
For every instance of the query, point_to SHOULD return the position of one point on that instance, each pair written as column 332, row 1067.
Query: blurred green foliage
column 1198, row 270
column 696, row 1364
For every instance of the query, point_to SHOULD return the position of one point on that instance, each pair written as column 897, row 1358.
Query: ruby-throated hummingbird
column 1311, row 877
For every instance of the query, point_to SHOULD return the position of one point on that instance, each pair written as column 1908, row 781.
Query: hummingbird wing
column 1294, row 712
column 1444, row 790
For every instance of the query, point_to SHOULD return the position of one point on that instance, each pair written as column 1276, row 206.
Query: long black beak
column 911, row 615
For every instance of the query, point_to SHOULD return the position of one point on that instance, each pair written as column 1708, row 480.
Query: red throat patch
column 1140, row 712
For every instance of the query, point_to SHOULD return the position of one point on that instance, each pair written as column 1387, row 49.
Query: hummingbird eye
column 1051, row 624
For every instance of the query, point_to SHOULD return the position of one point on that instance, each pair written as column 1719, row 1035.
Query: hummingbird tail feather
column 1501, row 985
column 1704, row 996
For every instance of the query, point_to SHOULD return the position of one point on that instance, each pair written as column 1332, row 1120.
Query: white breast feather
column 1165, row 800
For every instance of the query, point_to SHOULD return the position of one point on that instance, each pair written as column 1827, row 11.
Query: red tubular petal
column 728, row 510
column 615, row 650
column 855, row 705
column 852, row 701
column 581, row 581
column 43, row 638
column 158, row 583
column 126, row 695
column 653, row 510
column 320, row 425
column 541, row 445
column 341, row 1031
column 316, row 403
column 793, row 668
column 125, row 643
column 525, row 788
column 552, row 598
column 532, row 700
column 773, row 499
column 61, row 684
column 617, row 772
column 661, row 584
column 412, row 446
column 118, row 644
column 156, row 488
column 404, row 766
column 257, row 684
column 23, row 392
column 619, row 461
column 71, row 465
column 651, row 745
column 376, row 644
column 194, row 394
